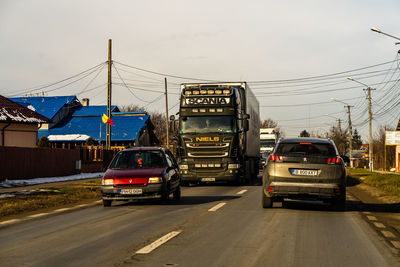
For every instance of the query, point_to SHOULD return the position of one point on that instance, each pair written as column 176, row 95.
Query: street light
column 381, row 32
column 371, row 145
column 350, row 134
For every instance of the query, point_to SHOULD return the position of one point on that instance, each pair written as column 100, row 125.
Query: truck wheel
column 266, row 201
column 107, row 203
column 177, row 193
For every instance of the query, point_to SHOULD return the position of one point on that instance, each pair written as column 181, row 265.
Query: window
column 138, row 159
column 298, row 149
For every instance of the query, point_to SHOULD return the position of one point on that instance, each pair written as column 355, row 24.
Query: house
column 18, row 124
column 55, row 108
column 74, row 122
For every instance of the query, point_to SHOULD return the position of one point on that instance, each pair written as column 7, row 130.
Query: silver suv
column 305, row 168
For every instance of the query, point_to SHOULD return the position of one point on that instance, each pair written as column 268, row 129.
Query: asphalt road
column 199, row 230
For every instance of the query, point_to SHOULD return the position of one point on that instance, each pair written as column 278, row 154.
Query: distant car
column 141, row 173
column 305, row 168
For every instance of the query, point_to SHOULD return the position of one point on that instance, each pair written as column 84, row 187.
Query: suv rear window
column 305, row 149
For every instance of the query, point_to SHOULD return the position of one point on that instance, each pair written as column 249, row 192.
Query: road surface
column 211, row 226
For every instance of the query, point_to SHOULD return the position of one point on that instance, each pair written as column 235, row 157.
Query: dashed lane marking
column 61, row 210
column 10, row 221
column 149, row 248
column 241, row 192
column 371, row 218
column 218, row 206
column 396, row 244
column 37, row 215
column 388, row 234
column 379, row 225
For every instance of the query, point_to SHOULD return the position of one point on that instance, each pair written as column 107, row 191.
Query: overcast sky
column 47, row 41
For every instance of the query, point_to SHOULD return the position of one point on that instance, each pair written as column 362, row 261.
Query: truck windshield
column 207, row 124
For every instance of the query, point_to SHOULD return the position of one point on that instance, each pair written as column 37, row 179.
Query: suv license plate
column 133, row 191
column 208, row 179
column 305, row 172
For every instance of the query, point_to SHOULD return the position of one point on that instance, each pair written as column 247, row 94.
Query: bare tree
column 270, row 123
column 339, row 138
column 158, row 120
column 379, row 150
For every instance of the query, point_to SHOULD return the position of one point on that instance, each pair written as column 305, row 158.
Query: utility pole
column 371, row 145
column 108, row 126
column 350, row 137
column 166, row 111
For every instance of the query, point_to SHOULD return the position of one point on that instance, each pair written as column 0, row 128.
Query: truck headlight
column 183, row 167
column 155, row 180
column 233, row 166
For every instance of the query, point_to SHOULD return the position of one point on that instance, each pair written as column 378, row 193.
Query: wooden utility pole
column 166, row 111
column 350, row 137
column 108, row 126
column 371, row 145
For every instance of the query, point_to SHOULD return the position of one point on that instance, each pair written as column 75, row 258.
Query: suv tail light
column 276, row 158
column 335, row 160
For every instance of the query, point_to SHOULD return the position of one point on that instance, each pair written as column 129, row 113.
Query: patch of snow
column 17, row 117
column 15, row 183
column 31, row 107
column 68, row 137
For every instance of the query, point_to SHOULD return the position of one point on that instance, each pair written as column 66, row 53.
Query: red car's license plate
column 131, row 191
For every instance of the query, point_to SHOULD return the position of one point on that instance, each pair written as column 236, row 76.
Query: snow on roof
column 14, row 112
column 69, row 137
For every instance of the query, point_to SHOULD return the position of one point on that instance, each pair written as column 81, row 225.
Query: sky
column 60, row 48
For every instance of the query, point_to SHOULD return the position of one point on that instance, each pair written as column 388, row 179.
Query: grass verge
column 389, row 183
column 72, row 193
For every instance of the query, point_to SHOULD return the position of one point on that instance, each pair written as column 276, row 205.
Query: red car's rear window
column 138, row 159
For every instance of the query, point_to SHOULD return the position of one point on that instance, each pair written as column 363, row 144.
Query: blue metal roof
column 125, row 128
column 94, row 110
column 47, row 106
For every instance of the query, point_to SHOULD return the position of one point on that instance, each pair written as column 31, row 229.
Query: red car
column 141, row 173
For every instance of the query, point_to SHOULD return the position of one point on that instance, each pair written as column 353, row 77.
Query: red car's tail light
column 276, row 158
column 335, row 160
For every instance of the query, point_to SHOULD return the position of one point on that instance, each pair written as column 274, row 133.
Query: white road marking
column 37, row 215
column 216, row 207
column 10, row 221
column 241, row 192
column 61, row 210
column 388, row 234
column 366, row 212
column 396, row 244
column 379, row 225
column 372, row 218
column 149, row 248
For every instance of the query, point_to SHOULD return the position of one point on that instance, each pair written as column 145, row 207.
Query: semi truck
column 218, row 137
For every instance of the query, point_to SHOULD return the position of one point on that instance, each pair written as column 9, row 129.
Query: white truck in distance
column 268, row 138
